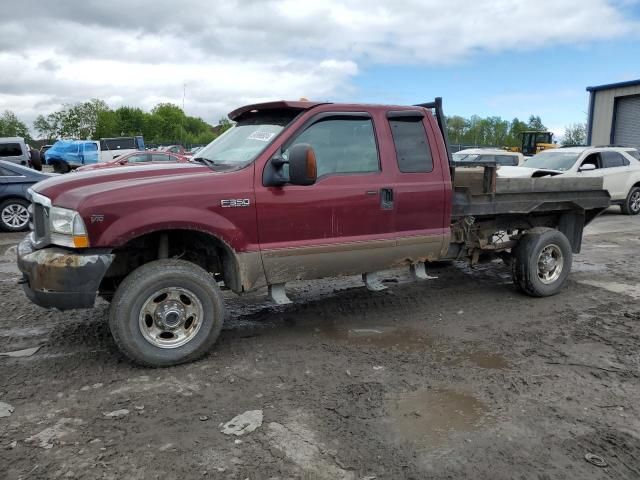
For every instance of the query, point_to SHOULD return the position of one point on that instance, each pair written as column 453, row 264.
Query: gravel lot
column 455, row 377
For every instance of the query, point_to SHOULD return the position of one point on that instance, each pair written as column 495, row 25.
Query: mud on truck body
column 294, row 191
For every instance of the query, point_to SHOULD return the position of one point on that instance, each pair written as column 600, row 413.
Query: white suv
column 14, row 149
column 619, row 168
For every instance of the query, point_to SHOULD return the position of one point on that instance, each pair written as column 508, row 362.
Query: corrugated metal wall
column 627, row 121
column 603, row 112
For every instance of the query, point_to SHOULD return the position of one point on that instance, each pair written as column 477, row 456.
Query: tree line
column 166, row 123
column 497, row 132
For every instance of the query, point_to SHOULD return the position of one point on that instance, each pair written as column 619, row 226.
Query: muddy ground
column 455, row 377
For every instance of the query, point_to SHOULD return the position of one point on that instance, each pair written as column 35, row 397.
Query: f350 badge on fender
column 235, row 202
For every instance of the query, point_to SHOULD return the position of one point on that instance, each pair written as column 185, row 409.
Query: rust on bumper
column 55, row 277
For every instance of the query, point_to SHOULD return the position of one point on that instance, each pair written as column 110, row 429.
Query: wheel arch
column 240, row 271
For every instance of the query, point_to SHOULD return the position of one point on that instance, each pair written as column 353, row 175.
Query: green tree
column 575, row 134
column 130, row 121
column 456, row 128
column 45, row 127
column 106, row 125
column 535, row 123
column 12, row 126
column 166, row 123
column 516, row 128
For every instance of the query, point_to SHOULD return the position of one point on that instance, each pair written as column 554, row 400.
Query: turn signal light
column 80, row 241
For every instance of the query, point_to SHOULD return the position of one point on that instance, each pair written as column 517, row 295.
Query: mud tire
column 128, row 301
column 525, row 256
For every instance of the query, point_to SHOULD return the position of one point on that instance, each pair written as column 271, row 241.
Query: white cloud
column 233, row 52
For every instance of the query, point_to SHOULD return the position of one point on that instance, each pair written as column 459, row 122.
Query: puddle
column 393, row 338
column 615, row 287
column 429, row 417
column 489, row 360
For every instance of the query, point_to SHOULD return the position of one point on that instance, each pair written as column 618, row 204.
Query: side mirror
column 587, row 167
column 303, row 168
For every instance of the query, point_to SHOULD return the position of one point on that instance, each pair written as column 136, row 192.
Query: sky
column 508, row 58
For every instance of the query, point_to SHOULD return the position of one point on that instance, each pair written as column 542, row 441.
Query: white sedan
column 619, row 168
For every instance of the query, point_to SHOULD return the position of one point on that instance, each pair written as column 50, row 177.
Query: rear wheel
column 14, row 215
column 541, row 262
column 61, row 167
column 36, row 160
column 166, row 312
column 631, row 205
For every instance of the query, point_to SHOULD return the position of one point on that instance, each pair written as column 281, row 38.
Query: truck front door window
column 412, row 147
column 342, row 145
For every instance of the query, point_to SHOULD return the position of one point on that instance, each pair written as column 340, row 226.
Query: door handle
column 386, row 198
column 371, row 192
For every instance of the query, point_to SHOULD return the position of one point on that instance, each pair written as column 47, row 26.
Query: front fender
column 136, row 223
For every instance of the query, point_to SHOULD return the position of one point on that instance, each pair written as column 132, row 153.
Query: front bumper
column 55, row 277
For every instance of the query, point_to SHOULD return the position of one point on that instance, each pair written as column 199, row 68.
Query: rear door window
column 634, row 153
column 613, row 159
column 412, row 146
column 10, row 150
column 160, row 157
column 139, row 158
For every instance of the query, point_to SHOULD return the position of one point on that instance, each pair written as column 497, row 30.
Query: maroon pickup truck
column 295, row 190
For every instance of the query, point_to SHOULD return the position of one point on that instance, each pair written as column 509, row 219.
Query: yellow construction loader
column 534, row 142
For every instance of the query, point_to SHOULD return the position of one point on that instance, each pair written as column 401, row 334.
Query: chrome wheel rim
column 550, row 264
column 15, row 215
column 634, row 201
column 170, row 317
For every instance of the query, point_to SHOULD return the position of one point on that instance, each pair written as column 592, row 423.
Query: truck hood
column 526, row 172
column 71, row 189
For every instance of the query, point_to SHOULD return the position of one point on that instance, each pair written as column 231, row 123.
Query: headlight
column 67, row 228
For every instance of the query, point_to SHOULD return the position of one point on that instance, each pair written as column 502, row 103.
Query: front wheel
column 166, row 312
column 631, row 205
column 541, row 262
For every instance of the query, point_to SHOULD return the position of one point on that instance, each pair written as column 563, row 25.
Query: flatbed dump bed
column 525, row 195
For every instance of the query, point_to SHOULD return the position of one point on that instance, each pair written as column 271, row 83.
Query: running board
column 278, row 295
column 419, row 272
column 373, row 282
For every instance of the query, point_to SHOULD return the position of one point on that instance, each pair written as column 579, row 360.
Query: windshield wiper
column 208, row 162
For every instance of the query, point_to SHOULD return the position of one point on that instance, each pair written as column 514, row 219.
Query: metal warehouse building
column 614, row 114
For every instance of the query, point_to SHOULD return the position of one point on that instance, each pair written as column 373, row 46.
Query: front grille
column 39, row 221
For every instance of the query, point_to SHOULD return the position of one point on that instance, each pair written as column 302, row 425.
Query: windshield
column 465, row 157
column 553, row 160
column 243, row 142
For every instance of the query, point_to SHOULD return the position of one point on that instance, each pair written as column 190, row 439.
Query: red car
column 150, row 157
column 177, row 149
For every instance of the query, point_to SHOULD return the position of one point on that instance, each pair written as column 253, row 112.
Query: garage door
column 627, row 127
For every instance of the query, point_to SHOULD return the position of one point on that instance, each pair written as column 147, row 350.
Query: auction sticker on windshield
column 261, row 136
